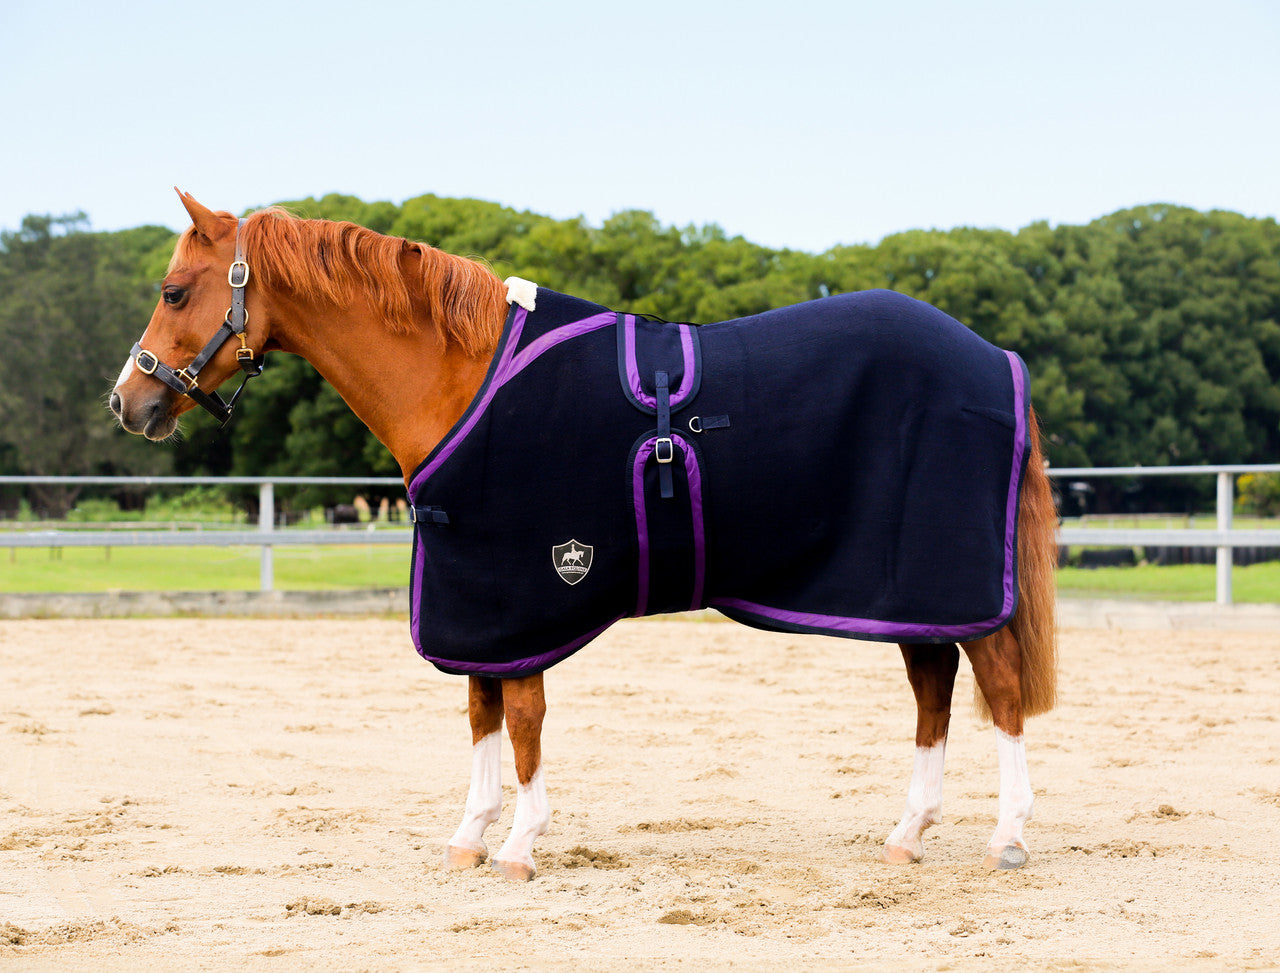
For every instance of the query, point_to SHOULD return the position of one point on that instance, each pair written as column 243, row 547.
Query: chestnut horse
column 359, row 305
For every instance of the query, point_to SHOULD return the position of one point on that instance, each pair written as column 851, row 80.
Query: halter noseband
column 184, row 380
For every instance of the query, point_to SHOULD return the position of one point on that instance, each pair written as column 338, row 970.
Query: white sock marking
column 1016, row 797
column 484, row 799
column 924, row 799
column 532, row 818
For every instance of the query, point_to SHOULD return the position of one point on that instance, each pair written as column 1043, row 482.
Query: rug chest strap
column 664, row 449
column 428, row 516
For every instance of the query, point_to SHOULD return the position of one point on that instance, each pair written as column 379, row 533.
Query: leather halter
column 185, row 380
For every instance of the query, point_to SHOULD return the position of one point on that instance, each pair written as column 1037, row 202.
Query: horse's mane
column 336, row 262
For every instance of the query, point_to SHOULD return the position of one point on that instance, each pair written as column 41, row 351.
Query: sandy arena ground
column 213, row 794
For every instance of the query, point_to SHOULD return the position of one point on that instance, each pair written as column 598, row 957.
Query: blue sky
column 801, row 124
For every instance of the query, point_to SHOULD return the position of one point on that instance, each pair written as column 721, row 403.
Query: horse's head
column 198, row 335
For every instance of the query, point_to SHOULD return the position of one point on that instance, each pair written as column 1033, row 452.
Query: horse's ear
column 207, row 223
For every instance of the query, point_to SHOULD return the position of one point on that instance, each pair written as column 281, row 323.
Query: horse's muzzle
column 152, row 418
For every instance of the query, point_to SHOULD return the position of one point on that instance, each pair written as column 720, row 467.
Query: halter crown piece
column 185, row 380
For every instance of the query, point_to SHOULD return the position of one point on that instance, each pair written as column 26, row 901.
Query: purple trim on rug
column 415, row 589
column 633, row 369
column 445, row 449
column 509, row 365
column 690, row 365
column 958, row 633
column 520, row 667
column 450, row 443
column 415, row 597
column 642, row 525
column 552, row 338
column 1015, row 481
column 694, row 474
column 859, row 626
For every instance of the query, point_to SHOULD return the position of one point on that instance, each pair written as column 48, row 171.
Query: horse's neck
column 409, row 389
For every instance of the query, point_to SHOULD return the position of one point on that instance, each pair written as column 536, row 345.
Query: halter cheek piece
column 185, row 380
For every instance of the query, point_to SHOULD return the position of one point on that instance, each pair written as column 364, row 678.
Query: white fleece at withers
column 522, row 292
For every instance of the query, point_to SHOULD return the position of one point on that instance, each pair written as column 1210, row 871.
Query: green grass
column 1259, row 583
column 201, row 568
column 1171, row 521
column 376, row 566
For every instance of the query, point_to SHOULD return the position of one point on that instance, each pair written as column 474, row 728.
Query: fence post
column 1226, row 501
column 266, row 523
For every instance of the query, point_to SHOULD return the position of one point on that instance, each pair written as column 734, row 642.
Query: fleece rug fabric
column 848, row 466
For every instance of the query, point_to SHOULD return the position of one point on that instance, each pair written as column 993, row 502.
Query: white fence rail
column 1223, row 538
column 267, row 536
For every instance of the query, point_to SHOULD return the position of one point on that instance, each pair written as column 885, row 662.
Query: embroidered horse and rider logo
column 572, row 560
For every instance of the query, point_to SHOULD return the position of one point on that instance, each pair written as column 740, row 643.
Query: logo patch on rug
column 572, row 560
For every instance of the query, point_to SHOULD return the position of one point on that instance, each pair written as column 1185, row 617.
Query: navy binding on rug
column 848, row 466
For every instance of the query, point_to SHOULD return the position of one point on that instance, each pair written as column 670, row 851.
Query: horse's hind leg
column 525, row 705
column 997, row 667
column 466, row 848
column 931, row 670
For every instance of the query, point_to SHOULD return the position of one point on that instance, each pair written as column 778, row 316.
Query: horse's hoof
column 514, row 871
column 897, row 855
column 460, row 859
column 1011, row 856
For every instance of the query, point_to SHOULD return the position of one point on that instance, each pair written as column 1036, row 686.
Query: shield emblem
column 572, row 560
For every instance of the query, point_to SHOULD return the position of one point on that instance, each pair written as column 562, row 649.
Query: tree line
column 1152, row 334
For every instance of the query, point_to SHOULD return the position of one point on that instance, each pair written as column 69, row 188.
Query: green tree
column 1152, row 334
column 71, row 304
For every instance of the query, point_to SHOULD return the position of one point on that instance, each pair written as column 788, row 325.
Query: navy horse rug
column 848, row 466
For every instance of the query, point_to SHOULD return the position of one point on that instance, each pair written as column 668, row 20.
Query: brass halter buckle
column 150, row 365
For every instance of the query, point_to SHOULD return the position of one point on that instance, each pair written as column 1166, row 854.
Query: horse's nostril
column 114, row 403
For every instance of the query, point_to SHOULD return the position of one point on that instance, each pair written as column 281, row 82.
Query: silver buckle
column 670, row 448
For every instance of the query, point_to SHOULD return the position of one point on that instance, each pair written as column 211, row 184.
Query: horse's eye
column 173, row 295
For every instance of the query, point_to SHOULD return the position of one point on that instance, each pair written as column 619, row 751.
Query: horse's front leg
column 931, row 670
column 997, row 667
column 525, row 707
column 466, row 848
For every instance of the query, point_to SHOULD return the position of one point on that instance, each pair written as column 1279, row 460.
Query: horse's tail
column 1033, row 623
